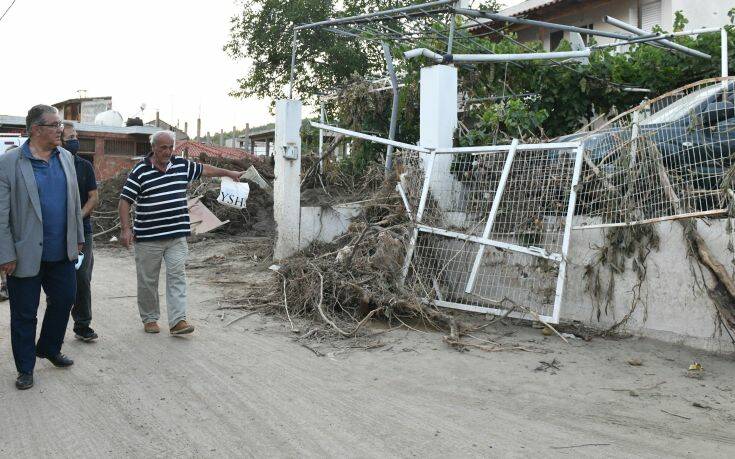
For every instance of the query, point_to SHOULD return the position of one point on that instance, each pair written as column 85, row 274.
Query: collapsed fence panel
column 492, row 226
column 669, row 158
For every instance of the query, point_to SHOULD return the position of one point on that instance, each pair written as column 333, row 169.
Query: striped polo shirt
column 160, row 198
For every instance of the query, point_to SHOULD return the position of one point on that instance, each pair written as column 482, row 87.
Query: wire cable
column 7, row 9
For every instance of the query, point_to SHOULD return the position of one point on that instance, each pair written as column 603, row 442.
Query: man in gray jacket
column 41, row 233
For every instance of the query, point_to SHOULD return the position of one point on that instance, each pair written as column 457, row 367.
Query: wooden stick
column 107, row 231
column 241, row 317
column 285, row 303
column 580, row 446
column 527, row 310
column 677, row 415
column 703, row 213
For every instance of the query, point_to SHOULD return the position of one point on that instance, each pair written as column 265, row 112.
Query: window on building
column 649, row 14
column 555, row 39
column 86, row 144
column 120, row 147
column 142, row 148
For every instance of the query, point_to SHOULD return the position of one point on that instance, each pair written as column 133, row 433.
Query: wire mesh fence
column 665, row 159
column 492, row 225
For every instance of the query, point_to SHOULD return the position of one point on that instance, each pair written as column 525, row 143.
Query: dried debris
column 255, row 220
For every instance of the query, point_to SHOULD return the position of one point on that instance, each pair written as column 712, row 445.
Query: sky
column 166, row 54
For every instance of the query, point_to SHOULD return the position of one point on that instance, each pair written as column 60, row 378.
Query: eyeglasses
column 55, row 125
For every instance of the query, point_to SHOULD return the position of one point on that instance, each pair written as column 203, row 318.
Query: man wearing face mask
column 81, row 312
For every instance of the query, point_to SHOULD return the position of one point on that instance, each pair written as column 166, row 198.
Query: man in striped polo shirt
column 157, row 186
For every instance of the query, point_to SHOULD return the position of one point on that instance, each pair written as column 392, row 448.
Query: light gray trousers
column 148, row 257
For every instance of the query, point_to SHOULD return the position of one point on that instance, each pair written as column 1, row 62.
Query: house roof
column 197, row 148
column 266, row 128
column 527, row 7
column 82, row 99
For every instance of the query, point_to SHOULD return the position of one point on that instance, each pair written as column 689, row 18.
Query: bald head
column 166, row 136
column 162, row 144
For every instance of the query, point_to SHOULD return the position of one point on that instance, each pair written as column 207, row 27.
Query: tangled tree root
column 723, row 292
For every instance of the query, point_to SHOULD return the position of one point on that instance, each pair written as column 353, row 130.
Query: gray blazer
column 21, row 227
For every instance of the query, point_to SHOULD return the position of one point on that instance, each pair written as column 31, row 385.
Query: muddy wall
column 674, row 306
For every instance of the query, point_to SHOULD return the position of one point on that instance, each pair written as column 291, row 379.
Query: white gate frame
column 483, row 240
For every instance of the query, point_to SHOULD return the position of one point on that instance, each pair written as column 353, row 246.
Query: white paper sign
column 233, row 194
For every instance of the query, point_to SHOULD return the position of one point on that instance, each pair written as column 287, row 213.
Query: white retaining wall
column 677, row 310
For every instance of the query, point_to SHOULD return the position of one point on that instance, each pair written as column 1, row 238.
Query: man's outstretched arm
column 211, row 171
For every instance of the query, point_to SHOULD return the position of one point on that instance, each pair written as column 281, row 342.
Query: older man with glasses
column 41, row 234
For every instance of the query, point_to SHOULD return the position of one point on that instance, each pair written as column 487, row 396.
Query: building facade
column 644, row 14
column 111, row 149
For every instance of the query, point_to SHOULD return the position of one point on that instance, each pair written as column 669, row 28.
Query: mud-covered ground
column 250, row 387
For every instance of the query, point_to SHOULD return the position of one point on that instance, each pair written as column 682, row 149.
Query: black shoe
column 85, row 334
column 59, row 360
column 24, row 381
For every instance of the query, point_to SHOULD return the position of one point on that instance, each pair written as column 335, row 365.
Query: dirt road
column 248, row 389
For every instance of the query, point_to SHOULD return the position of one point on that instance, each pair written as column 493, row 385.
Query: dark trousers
column 58, row 281
column 82, row 310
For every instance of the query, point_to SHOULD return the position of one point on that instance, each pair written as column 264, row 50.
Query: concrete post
column 287, row 184
column 199, row 129
column 186, row 128
column 221, row 137
column 438, row 115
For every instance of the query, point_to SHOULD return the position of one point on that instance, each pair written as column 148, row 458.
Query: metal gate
column 490, row 223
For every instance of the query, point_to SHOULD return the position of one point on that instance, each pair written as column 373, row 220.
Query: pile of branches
column 358, row 276
column 105, row 218
column 256, row 219
column 326, row 178
column 264, row 165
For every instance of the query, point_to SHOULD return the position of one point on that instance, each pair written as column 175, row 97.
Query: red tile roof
column 528, row 6
column 197, row 148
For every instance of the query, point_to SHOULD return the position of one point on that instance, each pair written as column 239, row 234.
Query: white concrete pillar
column 287, row 184
column 438, row 114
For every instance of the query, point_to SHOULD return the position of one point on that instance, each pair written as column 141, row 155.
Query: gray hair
column 156, row 135
column 35, row 115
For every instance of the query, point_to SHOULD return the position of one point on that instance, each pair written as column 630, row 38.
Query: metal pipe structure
column 293, row 64
column 394, row 107
column 376, row 15
column 494, row 57
column 642, row 33
column 657, row 38
column 322, row 119
column 410, row 54
column 546, row 25
column 372, row 138
column 450, row 40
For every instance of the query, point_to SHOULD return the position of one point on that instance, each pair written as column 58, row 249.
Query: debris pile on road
column 255, row 220
column 358, row 276
column 106, row 222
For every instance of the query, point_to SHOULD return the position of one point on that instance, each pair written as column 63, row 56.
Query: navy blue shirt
column 51, row 184
column 87, row 182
